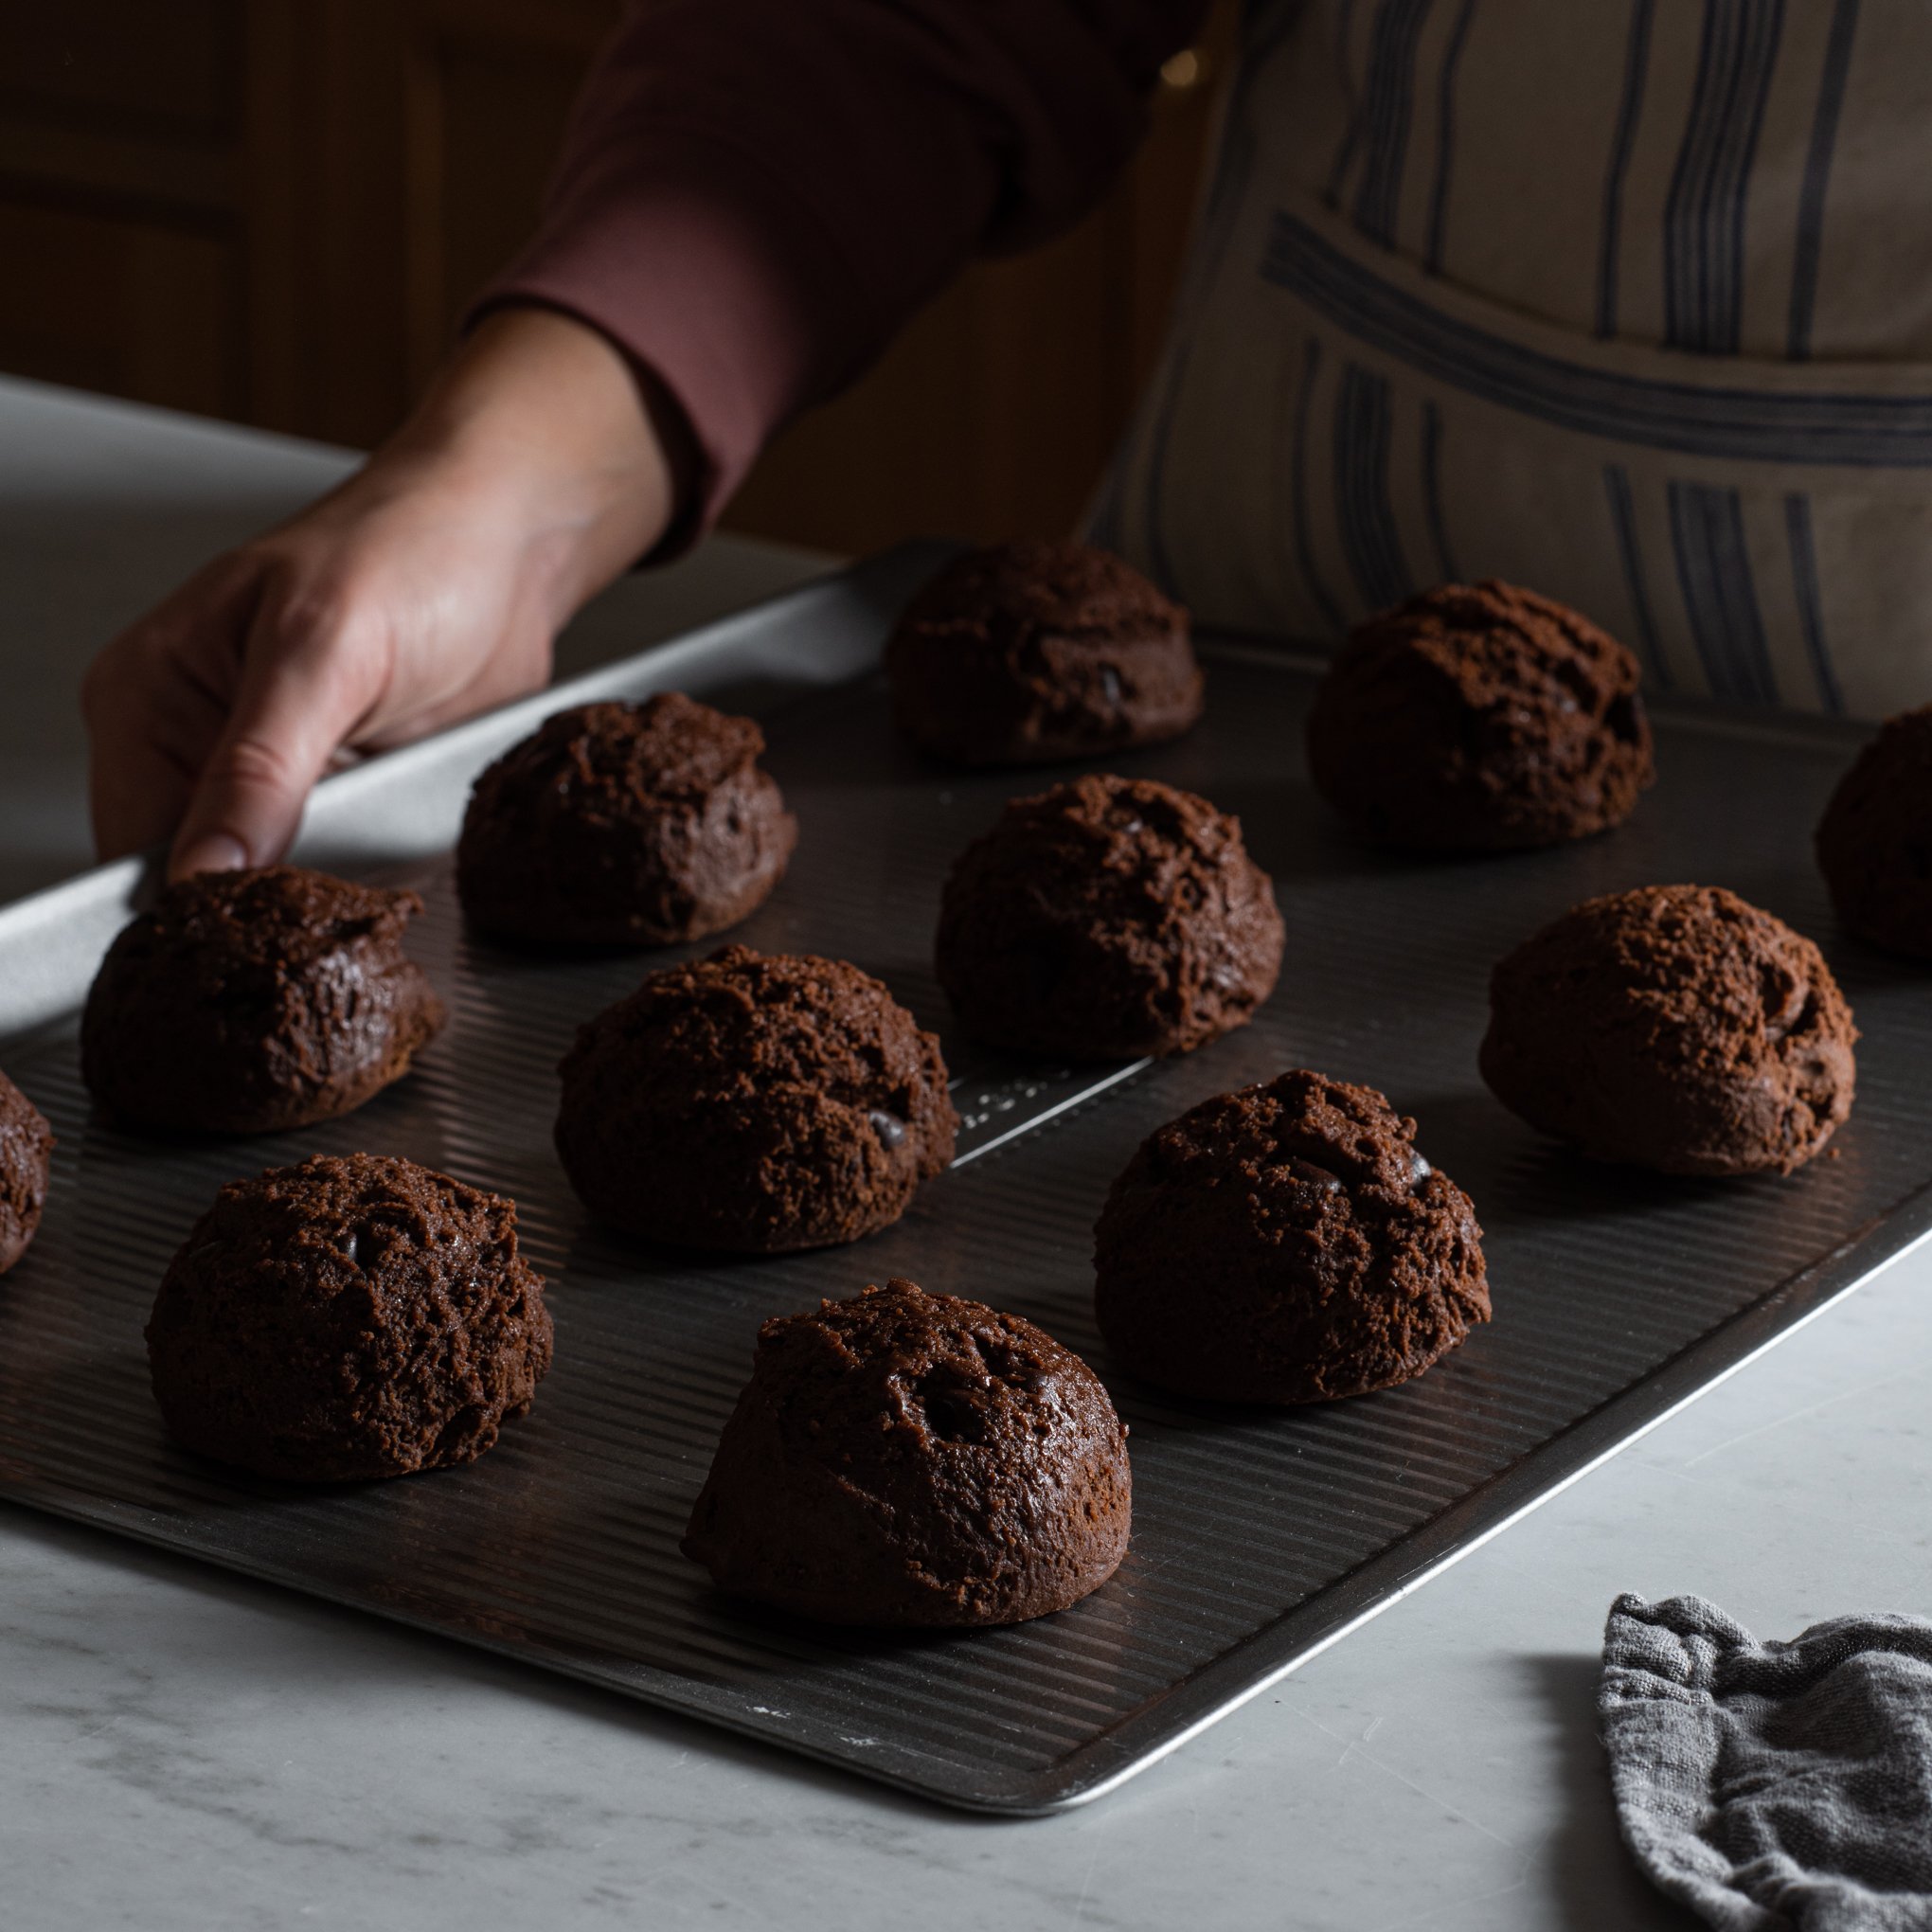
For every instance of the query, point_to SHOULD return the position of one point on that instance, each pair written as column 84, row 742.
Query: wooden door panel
column 489, row 115
column 135, row 308
column 163, row 66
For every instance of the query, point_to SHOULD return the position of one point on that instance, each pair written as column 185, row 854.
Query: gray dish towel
column 1774, row 1786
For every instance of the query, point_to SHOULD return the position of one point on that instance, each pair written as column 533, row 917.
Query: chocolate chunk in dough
column 754, row 1102
column 1030, row 652
column 1481, row 717
column 1107, row 918
column 624, row 825
column 1674, row 1026
column 27, row 1146
column 1874, row 842
column 913, row 1459
column 346, row 1318
column 251, row 1002
column 1286, row 1243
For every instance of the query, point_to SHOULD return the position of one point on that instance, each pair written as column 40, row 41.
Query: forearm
column 542, row 425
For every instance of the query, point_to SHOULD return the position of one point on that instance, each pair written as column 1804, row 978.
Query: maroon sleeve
column 755, row 194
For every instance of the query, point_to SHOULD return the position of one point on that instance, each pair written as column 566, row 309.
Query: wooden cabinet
column 122, row 260
column 274, row 210
column 78, row 315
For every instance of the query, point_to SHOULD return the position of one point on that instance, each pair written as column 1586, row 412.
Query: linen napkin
column 1774, row 1786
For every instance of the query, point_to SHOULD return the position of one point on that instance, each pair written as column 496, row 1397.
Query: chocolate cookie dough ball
column 1027, row 653
column 754, row 1103
column 1481, row 717
column 250, row 1002
column 913, row 1459
column 624, row 825
column 27, row 1146
column 348, row 1318
column 1286, row 1243
column 1107, row 918
column 1674, row 1026
column 1876, row 839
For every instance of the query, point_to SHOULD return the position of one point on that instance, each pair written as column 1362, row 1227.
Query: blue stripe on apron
column 1629, row 108
column 1623, row 520
column 1345, row 151
column 1817, row 169
column 1704, row 215
column 1391, row 102
column 1265, row 27
column 1446, row 140
column 1715, row 575
column 1369, row 537
column 1732, row 424
column 1811, row 613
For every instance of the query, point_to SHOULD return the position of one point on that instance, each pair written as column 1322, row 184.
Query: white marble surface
column 180, row 1749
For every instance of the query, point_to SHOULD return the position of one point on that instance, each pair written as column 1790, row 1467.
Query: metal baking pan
column 1258, row 1537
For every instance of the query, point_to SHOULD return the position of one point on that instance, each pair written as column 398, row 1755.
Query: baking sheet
column 1258, row 1536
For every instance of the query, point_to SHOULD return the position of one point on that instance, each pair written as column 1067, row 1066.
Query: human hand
column 428, row 587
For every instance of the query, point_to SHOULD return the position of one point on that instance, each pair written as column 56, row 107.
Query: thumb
column 307, row 681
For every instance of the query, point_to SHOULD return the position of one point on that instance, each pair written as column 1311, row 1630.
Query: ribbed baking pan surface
column 1257, row 1536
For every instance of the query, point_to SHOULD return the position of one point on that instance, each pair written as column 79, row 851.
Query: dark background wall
column 272, row 211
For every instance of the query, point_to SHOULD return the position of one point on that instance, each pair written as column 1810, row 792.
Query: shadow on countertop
column 1599, row 1883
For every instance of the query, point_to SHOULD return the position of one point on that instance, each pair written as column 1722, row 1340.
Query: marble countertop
column 184, row 1749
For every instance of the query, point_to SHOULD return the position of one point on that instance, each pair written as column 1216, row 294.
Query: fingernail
column 214, row 852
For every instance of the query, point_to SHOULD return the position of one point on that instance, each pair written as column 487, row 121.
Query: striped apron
column 1626, row 300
